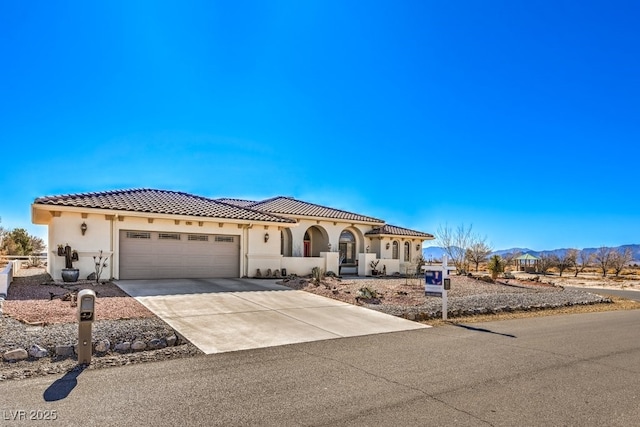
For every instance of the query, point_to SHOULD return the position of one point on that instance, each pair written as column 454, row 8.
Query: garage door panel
column 155, row 255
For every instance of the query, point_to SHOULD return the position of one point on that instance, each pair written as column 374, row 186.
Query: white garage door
column 168, row 255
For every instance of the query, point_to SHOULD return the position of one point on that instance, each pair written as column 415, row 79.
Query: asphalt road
column 581, row 370
column 632, row 295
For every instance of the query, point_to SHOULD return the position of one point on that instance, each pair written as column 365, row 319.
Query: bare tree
column 619, row 259
column 478, row 251
column 545, row 262
column 602, row 258
column 455, row 244
column 583, row 260
column 510, row 257
column 567, row 260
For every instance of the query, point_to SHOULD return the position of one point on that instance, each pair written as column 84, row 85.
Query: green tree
column 495, row 266
column 19, row 242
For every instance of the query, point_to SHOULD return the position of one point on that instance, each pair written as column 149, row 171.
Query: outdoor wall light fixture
column 387, row 245
column 83, row 228
column 329, row 246
column 266, row 237
column 417, row 247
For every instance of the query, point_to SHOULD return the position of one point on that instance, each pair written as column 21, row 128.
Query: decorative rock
column 138, row 346
column 37, row 351
column 123, row 347
column 15, row 354
column 172, row 340
column 64, row 350
column 157, row 343
column 92, row 276
column 103, row 346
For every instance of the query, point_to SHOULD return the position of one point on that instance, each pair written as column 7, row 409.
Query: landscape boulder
column 37, row 351
column 64, row 350
column 103, row 346
column 123, row 347
column 138, row 346
column 15, row 354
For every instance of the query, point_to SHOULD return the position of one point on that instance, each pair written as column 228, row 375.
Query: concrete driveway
column 220, row 315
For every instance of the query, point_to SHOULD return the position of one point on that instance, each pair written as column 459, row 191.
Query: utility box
column 86, row 316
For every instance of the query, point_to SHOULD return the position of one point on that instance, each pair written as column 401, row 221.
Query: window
column 407, row 251
column 198, row 237
column 347, row 247
column 224, row 239
column 395, row 254
column 168, row 236
column 138, row 235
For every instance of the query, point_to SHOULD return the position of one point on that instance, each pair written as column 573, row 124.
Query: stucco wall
column 302, row 266
column 65, row 229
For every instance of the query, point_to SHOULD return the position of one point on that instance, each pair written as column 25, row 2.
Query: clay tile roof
column 237, row 202
column 160, row 202
column 290, row 206
column 397, row 231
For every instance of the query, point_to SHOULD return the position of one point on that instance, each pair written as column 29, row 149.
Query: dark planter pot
column 70, row 274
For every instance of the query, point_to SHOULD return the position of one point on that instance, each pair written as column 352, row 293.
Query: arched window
column 395, row 253
column 407, row 251
column 347, row 247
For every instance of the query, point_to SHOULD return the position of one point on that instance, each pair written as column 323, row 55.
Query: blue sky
column 518, row 118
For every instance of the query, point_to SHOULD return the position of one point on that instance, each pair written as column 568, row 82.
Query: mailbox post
column 86, row 316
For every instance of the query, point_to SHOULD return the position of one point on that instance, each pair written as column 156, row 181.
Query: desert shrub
column 35, row 262
column 317, row 274
column 495, row 266
column 368, row 293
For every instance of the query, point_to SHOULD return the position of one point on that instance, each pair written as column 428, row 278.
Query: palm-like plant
column 495, row 266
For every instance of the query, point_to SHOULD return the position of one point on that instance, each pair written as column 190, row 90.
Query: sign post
column 437, row 282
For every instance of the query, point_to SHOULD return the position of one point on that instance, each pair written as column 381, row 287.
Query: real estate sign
column 434, row 278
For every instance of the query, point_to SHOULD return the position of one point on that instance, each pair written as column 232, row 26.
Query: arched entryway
column 286, row 243
column 347, row 247
column 315, row 241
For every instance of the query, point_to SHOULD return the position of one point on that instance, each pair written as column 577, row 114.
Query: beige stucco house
column 149, row 234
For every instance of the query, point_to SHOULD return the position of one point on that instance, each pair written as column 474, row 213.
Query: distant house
column 150, row 234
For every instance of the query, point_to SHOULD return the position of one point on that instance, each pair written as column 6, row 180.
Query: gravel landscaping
column 38, row 328
column 468, row 296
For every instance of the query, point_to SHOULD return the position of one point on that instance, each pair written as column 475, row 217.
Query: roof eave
column 40, row 211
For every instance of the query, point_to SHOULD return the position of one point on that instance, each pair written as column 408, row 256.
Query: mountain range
column 436, row 252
